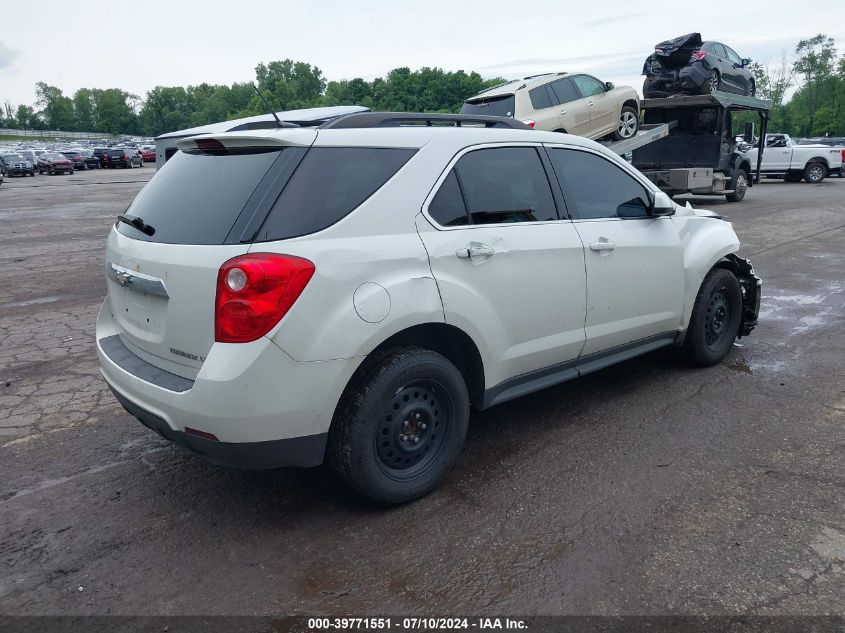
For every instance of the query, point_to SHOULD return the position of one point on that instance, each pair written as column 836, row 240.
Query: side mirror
column 748, row 137
column 662, row 205
column 609, row 86
column 745, row 62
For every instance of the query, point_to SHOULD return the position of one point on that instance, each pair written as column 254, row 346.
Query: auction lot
column 647, row 488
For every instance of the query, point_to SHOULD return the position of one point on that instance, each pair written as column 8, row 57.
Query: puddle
column 33, row 301
column 740, row 365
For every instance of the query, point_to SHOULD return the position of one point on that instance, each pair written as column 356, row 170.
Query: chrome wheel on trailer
column 627, row 124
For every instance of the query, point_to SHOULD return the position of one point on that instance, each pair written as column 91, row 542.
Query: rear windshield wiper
column 137, row 223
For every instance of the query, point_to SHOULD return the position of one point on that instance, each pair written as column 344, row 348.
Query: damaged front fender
column 752, row 290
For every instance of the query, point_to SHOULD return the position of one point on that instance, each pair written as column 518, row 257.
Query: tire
column 740, row 187
column 714, row 82
column 814, row 173
column 715, row 318
column 629, row 124
column 400, row 425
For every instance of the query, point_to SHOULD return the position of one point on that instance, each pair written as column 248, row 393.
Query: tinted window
column 717, row 50
column 447, row 207
column 732, row 55
column 328, row 185
column 505, row 184
column 196, row 198
column 540, row 98
column 596, row 188
column 588, row 85
column 564, row 90
column 493, row 106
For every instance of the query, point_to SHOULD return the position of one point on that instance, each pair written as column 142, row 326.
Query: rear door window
column 505, row 185
column 447, row 208
column 564, row 90
column 329, row 184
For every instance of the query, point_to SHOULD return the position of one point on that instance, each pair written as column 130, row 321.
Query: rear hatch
column 495, row 105
column 202, row 206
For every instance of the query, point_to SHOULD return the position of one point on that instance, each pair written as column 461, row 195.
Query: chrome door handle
column 590, row 103
column 603, row 244
column 562, row 112
column 475, row 250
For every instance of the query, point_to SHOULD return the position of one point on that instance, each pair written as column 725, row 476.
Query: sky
column 139, row 45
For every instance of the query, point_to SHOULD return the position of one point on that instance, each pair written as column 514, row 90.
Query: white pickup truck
column 784, row 157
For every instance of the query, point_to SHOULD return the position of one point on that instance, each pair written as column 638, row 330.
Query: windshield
column 14, row 157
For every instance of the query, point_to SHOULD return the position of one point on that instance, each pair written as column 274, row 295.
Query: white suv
column 277, row 297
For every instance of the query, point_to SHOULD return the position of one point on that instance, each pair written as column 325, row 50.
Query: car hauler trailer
column 699, row 154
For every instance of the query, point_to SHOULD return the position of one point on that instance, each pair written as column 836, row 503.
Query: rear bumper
column 299, row 452
column 669, row 82
column 265, row 409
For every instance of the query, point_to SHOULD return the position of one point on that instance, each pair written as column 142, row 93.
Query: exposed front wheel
column 715, row 318
column 400, row 425
column 814, row 173
column 629, row 123
column 740, row 187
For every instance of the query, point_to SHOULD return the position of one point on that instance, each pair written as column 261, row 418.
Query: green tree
column 27, row 118
column 114, row 111
column 83, row 110
column 56, row 109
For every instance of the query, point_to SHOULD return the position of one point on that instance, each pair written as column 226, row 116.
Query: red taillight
column 254, row 292
column 697, row 56
column 203, row 434
column 530, row 122
column 843, row 157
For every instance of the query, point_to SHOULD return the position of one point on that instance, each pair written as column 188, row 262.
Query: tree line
column 814, row 77
column 287, row 85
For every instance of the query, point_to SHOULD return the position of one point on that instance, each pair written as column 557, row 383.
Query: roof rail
column 420, row 119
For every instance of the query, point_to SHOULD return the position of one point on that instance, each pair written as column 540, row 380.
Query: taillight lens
column 697, row 56
column 254, row 292
column 530, row 122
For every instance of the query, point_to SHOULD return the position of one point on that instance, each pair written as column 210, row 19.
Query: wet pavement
column 647, row 488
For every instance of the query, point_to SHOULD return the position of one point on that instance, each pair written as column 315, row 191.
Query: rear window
column 540, row 98
column 196, row 198
column 328, row 185
column 501, row 105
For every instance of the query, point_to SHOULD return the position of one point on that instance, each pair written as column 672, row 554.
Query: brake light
column 843, row 156
column 210, row 145
column 697, row 56
column 254, row 292
column 530, row 122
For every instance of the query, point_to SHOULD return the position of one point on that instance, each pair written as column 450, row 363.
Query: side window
column 540, row 98
column 718, row 50
column 732, row 56
column 587, row 85
column 447, row 207
column 505, row 184
column 564, row 90
column 596, row 188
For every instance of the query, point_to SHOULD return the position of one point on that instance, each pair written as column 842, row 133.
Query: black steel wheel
column 715, row 318
column 400, row 425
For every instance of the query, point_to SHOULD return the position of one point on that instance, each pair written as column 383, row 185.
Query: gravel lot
column 647, row 488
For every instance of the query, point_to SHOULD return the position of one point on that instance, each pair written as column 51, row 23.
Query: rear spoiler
column 293, row 137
